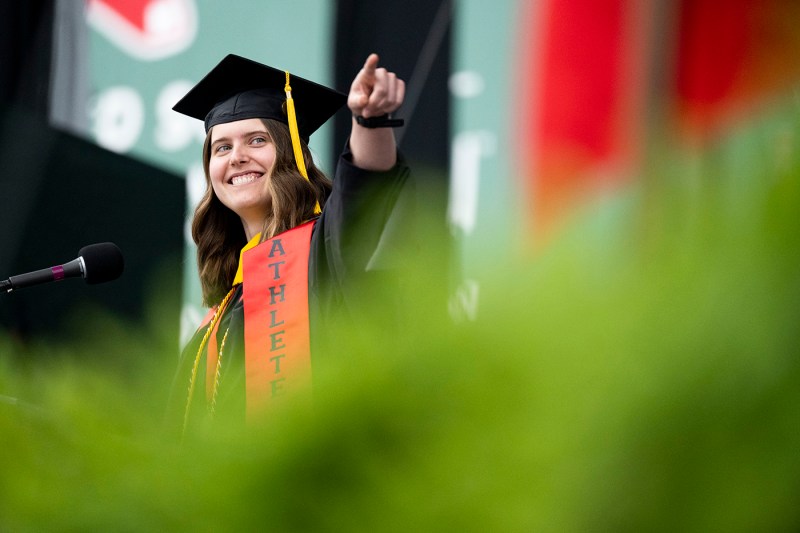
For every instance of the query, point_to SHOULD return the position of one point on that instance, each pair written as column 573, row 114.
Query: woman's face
column 241, row 160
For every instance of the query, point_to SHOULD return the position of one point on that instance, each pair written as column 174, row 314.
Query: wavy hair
column 218, row 232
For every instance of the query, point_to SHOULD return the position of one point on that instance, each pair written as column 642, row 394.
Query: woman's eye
column 259, row 140
column 222, row 148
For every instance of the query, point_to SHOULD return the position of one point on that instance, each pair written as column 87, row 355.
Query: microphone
column 96, row 263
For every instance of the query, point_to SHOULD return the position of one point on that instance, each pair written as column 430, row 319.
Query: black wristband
column 383, row 121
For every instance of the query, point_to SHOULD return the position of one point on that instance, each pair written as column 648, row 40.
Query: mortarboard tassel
column 298, row 152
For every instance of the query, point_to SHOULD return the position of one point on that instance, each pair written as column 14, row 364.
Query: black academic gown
column 344, row 242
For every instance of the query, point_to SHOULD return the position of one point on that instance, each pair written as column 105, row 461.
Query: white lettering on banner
column 174, row 131
column 469, row 148
column 118, row 117
column 466, row 84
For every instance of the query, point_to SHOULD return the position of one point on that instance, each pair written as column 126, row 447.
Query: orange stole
column 276, row 331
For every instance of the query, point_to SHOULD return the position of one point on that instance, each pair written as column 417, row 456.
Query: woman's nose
column 238, row 155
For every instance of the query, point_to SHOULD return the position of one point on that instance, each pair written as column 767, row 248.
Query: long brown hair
column 218, row 232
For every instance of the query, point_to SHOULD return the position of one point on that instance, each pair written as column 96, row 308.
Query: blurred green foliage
column 640, row 373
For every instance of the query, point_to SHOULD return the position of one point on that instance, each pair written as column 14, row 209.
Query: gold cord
column 213, row 407
column 217, row 315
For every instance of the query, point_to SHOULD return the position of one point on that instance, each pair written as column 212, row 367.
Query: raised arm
column 374, row 92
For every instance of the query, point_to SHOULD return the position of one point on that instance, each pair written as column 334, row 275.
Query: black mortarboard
column 239, row 88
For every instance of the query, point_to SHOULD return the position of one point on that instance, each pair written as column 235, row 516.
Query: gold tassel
column 298, row 152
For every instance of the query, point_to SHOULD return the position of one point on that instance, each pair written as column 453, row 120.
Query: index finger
column 371, row 64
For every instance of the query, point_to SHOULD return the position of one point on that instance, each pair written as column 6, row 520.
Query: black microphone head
column 102, row 262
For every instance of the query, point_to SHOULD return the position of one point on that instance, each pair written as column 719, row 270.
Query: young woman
column 278, row 243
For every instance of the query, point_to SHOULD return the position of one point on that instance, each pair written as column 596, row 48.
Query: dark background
column 60, row 193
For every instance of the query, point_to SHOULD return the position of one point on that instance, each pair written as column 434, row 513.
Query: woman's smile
column 244, row 178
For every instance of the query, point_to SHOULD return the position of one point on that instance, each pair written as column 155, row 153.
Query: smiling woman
column 279, row 244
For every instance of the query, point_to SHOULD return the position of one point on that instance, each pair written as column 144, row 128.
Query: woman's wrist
column 382, row 121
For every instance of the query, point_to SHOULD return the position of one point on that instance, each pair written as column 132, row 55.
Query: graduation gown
column 343, row 243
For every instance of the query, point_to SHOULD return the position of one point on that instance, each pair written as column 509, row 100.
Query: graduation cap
column 239, row 88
